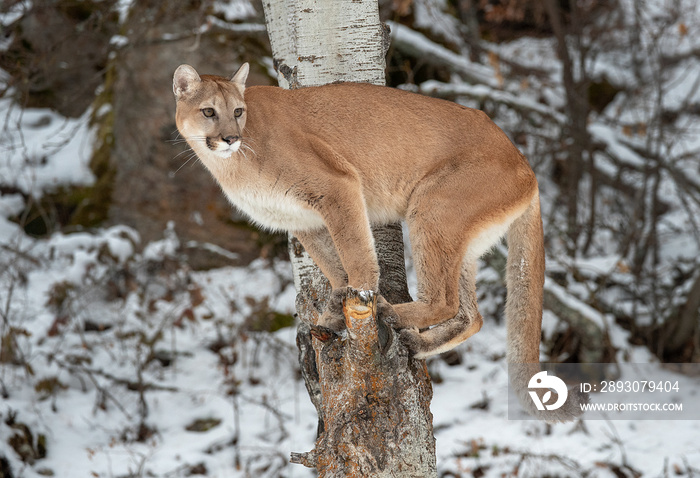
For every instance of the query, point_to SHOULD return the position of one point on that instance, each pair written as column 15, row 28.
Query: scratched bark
column 373, row 401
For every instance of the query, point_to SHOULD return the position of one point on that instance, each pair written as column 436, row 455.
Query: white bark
column 325, row 41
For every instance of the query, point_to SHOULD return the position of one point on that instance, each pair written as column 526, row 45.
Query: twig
column 21, row 254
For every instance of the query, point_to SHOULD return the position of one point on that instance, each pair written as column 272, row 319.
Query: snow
column 119, row 41
column 431, row 15
column 122, row 7
column 269, row 413
column 424, row 46
column 41, row 150
column 610, row 138
column 235, row 10
column 480, row 92
column 213, row 248
column 571, row 302
column 10, row 205
column 14, row 13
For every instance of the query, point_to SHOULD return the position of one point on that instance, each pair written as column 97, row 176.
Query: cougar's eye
column 208, row 112
column 238, row 112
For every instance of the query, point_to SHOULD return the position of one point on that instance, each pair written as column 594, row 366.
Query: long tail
column 525, row 281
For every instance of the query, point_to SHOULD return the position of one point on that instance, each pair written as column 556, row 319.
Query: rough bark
column 375, row 401
column 313, row 291
column 372, row 399
column 392, row 266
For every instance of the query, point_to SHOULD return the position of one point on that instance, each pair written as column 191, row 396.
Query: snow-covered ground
column 219, row 398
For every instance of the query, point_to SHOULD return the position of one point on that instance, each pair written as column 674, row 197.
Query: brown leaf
column 188, row 314
column 623, row 267
column 402, row 7
column 196, row 296
column 642, row 129
column 57, row 325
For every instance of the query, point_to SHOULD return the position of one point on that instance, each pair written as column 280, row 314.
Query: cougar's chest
column 274, row 210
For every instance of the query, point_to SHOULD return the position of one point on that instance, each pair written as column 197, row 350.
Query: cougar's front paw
column 412, row 340
column 333, row 317
column 387, row 313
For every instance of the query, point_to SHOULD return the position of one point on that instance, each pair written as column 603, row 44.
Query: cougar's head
column 211, row 113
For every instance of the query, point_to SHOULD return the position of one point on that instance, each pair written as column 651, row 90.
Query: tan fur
column 325, row 162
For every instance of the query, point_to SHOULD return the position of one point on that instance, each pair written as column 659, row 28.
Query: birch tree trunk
column 373, row 400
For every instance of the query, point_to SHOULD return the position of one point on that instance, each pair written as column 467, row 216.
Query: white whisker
column 196, row 138
column 189, row 158
column 249, row 148
column 249, row 138
column 188, row 150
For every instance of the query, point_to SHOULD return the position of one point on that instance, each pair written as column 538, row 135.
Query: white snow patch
column 41, row 150
column 235, row 10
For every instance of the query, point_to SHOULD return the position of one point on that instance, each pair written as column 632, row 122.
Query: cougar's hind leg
column 452, row 332
column 437, row 253
column 449, row 218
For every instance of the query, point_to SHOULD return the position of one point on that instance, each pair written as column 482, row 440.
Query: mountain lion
column 326, row 162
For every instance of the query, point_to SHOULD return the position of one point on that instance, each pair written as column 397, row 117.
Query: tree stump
column 375, row 400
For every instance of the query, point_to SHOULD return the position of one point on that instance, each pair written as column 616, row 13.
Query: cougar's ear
column 241, row 75
column 185, row 80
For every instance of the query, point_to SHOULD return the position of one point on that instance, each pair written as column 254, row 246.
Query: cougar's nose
column 231, row 139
